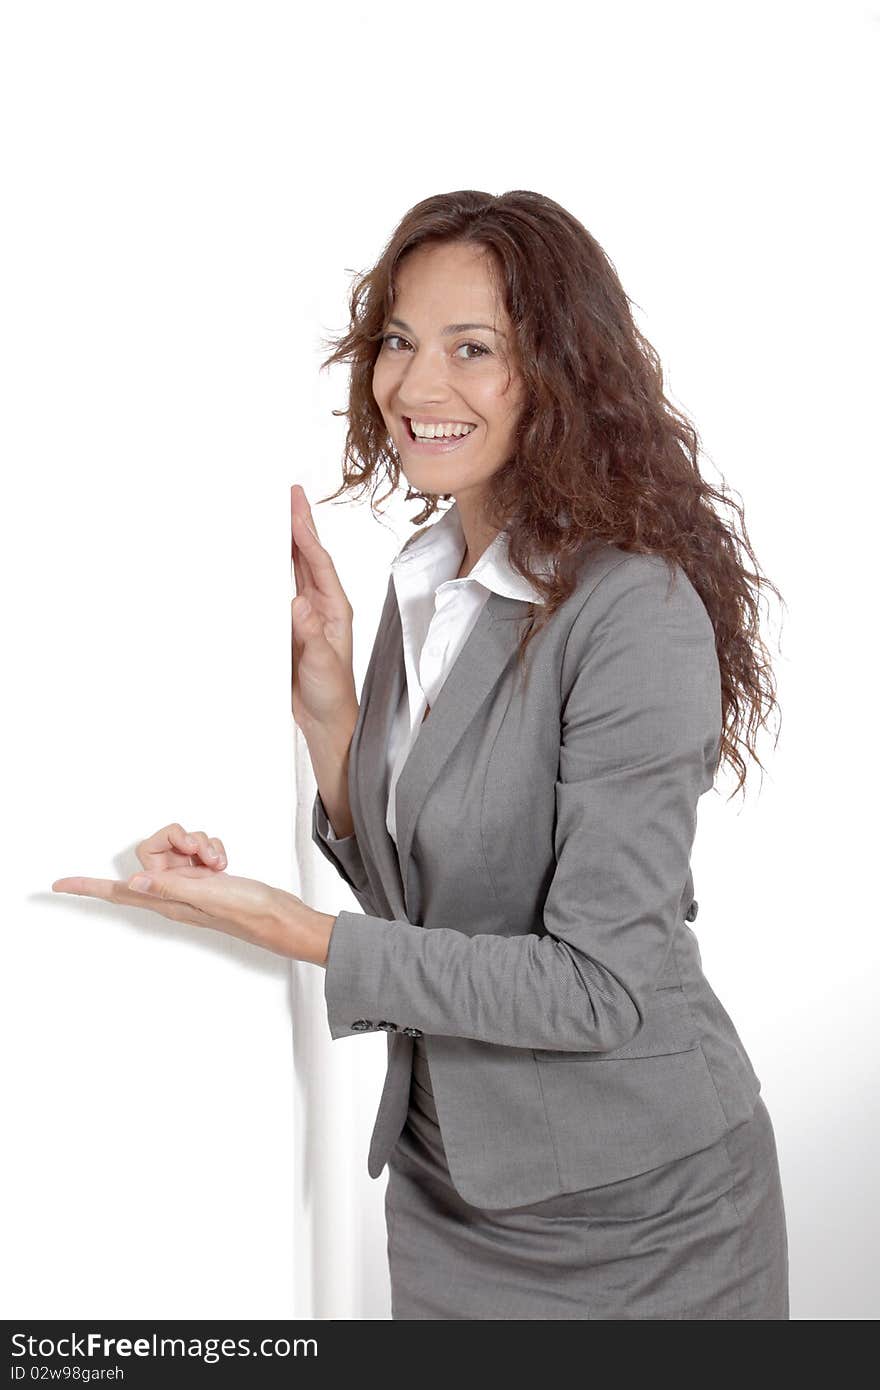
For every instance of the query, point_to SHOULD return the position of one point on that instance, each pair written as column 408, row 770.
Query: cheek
column 383, row 380
column 504, row 403
column 502, row 417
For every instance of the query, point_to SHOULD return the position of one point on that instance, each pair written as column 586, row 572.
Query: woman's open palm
column 171, row 855
column 183, row 879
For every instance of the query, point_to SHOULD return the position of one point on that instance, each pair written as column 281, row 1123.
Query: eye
column 387, row 339
column 482, row 351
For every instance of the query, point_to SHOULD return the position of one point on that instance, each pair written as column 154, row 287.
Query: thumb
column 213, row 894
column 157, row 888
column 172, row 887
column 305, row 619
column 308, row 625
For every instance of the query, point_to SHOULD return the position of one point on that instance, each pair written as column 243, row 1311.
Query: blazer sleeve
column 343, row 853
column 640, row 732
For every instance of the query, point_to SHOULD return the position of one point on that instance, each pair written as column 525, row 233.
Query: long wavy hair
column 599, row 452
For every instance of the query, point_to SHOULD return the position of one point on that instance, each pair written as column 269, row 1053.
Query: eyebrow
column 452, row 328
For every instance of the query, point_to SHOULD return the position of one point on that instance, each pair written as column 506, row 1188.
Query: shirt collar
column 436, row 553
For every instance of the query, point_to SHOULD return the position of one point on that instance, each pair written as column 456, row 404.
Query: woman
column 571, row 1124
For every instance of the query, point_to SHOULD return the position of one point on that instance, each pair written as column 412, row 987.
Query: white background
column 186, row 187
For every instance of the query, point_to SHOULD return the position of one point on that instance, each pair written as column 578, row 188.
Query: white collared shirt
column 437, row 613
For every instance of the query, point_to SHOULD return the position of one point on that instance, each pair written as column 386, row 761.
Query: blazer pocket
column 617, row 1113
column 669, row 1028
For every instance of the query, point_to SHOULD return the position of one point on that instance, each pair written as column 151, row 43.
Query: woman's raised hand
column 323, row 694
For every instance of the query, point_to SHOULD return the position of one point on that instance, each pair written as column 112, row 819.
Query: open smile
column 441, row 444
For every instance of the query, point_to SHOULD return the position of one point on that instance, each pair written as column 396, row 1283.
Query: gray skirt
column 701, row 1237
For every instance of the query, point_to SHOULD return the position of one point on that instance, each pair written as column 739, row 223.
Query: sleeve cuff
column 343, row 853
column 351, row 985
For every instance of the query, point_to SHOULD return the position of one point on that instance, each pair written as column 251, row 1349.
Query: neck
column 478, row 536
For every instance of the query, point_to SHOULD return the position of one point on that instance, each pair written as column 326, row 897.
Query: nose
column 424, row 381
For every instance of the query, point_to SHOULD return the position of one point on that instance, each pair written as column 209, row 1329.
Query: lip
column 436, row 446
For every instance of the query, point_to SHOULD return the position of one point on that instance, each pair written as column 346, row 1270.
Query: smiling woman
column 449, row 392
column 571, row 1124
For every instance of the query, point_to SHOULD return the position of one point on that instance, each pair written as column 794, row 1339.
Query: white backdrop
column 185, row 187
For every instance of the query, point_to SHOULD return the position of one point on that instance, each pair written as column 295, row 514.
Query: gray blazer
column 532, row 921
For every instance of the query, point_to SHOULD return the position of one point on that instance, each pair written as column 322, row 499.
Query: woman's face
column 448, row 358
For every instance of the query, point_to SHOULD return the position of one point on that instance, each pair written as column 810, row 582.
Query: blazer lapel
column 490, row 646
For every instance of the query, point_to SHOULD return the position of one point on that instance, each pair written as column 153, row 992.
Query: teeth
column 446, row 431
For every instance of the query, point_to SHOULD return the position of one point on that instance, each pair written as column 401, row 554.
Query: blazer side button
column 386, row 1026
column 412, row 1032
column 692, row 911
column 361, row 1024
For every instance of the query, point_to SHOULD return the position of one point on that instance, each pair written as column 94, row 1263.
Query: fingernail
column 140, row 884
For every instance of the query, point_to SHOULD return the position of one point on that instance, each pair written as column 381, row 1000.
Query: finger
column 306, row 620
column 331, row 612
column 299, row 507
column 299, row 503
column 88, row 887
column 173, row 841
column 302, row 570
column 210, row 852
column 170, row 837
column 298, row 575
column 306, row 591
column 317, row 567
column 217, row 844
column 107, row 889
column 292, row 542
column 110, row 890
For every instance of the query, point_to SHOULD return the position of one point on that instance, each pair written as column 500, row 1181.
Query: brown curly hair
column 600, row 453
